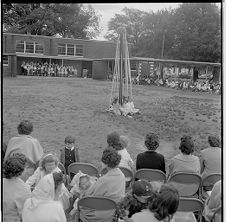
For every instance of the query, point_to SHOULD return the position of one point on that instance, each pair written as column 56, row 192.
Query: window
column 38, row 48
column 79, row 50
column 20, row 46
column 5, row 60
column 61, row 49
column 133, row 65
column 29, row 47
column 70, row 49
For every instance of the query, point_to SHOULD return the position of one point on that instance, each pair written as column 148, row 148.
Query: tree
column 132, row 19
column 66, row 20
column 197, row 32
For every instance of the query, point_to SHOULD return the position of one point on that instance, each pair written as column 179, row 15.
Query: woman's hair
column 164, row 203
column 151, row 141
column 58, row 179
column 214, row 141
column 14, row 165
column 124, row 141
column 48, row 158
column 69, row 139
column 186, row 145
column 111, row 158
column 25, row 127
column 113, row 140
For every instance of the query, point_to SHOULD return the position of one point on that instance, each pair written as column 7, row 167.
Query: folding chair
column 128, row 175
column 150, row 175
column 186, row 205
column 86, row 168
column 187, row 184
column 97, row 206
column 208, row 183
column 62, row 168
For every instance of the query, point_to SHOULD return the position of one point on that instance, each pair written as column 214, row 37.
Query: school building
column 93, row 55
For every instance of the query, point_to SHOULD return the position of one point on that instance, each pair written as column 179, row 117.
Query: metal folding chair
column 187, row 184
column 128, row 175
column 62, row 168
column 101, row 207
column 208, row 183
column 150, row 175
column 86, row 168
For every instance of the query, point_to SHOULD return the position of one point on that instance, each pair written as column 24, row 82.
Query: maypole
column 121, row 100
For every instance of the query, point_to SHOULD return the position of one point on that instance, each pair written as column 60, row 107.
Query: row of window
column 37, row 48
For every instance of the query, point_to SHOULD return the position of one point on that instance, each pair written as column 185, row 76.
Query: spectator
column 212, row 209
column 69, row 154
column 15, row 191
column 113, row 140
column 43, row 204
column 161, row 206
column 26, row 144
column 126, row 160
column 185, row 161
column 151, row 159
column 211, row 157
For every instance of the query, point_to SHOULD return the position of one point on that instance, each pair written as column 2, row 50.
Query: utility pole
column 162, row 53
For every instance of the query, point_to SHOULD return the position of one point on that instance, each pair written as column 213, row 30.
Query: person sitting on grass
column 15, row 191
column 185, row 161
column 150, row 159
column 44, row 205
column 162, row 206
column 26, row 144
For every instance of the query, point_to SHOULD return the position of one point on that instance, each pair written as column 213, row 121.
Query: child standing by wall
column 69, row 154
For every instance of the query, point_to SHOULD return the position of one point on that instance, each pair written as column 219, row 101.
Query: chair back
column 86, row 168
column 62, row 168
column 187, row 184
column 128, row 175
column 189, row 204
column 150, row 175
column 209, row 181
column 97, row 204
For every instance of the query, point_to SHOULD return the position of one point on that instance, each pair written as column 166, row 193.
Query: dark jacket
column 150, row 160
column 62, row 155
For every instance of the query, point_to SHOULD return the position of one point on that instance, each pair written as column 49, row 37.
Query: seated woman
column 151, row 159
column 111, row 185
column 15, row 191
column 43, row 204
column 162, row 206
column 211, row 157
column 185, row 161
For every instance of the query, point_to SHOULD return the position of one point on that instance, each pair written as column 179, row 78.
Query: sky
column 108, row 10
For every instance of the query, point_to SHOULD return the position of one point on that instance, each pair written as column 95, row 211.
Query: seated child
column 81, row 183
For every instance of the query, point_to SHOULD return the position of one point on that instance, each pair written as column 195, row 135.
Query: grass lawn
column 71, row 106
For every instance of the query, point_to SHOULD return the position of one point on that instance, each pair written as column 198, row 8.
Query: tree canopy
column 190, row 32
column 66, row 20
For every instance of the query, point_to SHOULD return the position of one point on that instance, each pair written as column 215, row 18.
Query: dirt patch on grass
column 67, row 106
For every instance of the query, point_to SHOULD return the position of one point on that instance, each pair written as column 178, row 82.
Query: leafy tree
column 66, row 20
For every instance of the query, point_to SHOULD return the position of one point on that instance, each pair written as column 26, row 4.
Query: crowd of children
column 44, row 195
column 47, row 69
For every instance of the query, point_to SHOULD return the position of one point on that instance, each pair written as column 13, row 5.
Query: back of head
column 164, row 203
column 151, row 141
column 14, row 165
column 111, row 158
column 25, row 127
column 124, row 141
column 214, row 141
column 186, row 145
column 113, row 140
column 58, row 179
